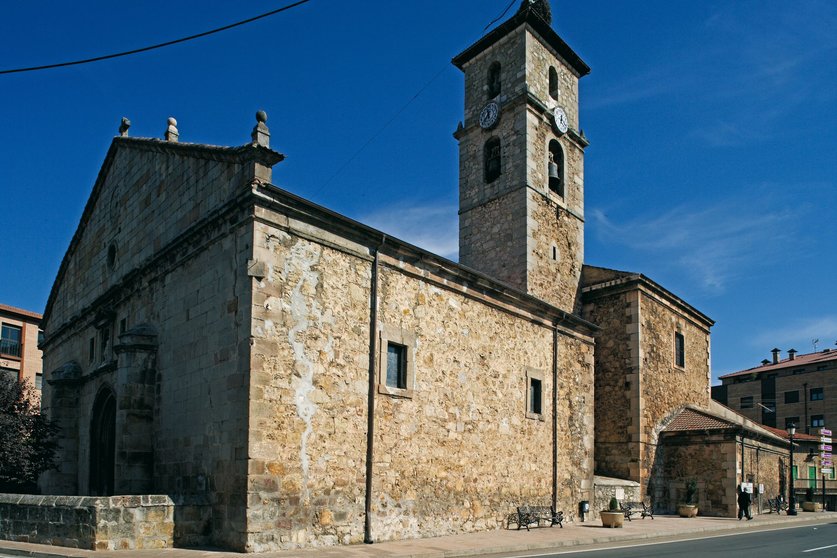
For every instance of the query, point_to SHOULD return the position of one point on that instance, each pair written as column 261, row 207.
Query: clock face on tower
column 562, row 124
column 489, row 115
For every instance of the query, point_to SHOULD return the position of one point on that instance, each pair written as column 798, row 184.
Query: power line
column 499, row 17
column 154, row 47
column 380, row 131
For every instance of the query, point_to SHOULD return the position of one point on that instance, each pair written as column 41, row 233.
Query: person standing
column 743, row 503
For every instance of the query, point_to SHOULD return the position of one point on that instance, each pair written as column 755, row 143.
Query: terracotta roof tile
column 690, row 419
column 825, row 355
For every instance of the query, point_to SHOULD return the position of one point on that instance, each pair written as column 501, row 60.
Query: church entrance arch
column 103, row 443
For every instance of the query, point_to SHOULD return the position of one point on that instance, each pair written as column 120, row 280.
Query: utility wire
column 380, row 131
column 153, row 47
column 499, row 17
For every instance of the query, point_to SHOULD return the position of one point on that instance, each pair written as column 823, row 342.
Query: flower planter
column 811, row 507
column 612, row 519
column 687, row 510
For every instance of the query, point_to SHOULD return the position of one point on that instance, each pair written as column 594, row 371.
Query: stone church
column 291, row 377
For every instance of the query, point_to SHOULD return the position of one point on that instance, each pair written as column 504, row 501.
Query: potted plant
column 689, row 507
column 809, row 505
column 613, row 516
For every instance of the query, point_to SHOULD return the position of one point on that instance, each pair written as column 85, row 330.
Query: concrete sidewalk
column 474, row 544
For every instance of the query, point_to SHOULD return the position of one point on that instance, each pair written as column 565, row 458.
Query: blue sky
column 711, row 169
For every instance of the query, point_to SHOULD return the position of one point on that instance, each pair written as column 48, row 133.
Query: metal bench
column 641, row 508
column 534, row 515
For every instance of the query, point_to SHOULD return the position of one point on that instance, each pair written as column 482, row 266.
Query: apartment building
column 799, row 389
column 20, row 357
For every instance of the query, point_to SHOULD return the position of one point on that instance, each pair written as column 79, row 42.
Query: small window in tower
column 553, row 83
column 491, row 156
column 679, row 350
column 556, row 168
column 494, row 81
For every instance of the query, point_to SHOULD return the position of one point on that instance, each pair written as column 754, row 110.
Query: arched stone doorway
column 103, row 443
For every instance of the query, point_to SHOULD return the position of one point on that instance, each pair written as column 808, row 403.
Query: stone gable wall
column 181, row 408
column 443, row 448
column 167, row 189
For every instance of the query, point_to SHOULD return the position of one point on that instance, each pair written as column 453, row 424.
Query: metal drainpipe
column 555, row 417
column 370, row 397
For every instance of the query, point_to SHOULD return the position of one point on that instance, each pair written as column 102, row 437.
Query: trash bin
column 583, row 507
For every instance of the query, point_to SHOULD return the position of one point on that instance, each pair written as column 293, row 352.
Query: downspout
column 555, row 417
column 370, row 396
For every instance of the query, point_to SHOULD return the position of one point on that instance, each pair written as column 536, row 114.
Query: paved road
column 819, row 541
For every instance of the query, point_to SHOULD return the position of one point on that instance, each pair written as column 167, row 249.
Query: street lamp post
column 791, row 499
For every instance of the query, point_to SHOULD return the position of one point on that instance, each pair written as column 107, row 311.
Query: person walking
column 743, row 503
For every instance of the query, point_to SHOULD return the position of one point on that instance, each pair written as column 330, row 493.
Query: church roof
column 717, row 417
column 596, row 281
column 531, row 13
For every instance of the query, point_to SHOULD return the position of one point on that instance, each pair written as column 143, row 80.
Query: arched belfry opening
column 553, row 83
column 103, row 443
column 495, row 82
column 492, row 160
column 555, row 168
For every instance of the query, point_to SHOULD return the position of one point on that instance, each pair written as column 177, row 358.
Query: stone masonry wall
column 666, row 387
column 443, row 447
column 116, row 523
column 616, row 383
column 716, row 462
column 761, row 466
column 709, row 460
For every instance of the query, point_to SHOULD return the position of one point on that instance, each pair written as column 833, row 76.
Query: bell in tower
column 521, row 153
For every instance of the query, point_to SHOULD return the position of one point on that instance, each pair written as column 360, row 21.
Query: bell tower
column 521, row 158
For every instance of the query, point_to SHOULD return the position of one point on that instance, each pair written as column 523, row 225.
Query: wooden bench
column 534, row 515
column 641, row 508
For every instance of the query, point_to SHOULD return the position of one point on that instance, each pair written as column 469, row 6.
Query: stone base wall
column 112, row 523
column 605, row 488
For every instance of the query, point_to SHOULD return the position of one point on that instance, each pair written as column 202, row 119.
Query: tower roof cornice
column 533, row 14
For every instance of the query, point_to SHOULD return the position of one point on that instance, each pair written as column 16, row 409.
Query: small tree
column 27, row 438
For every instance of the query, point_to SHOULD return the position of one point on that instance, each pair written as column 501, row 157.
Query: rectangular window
column 10, row 340
column 396, row 366
column 795, row 472
column 747, row 402
column 535, row 396
column 679, row 350
column 39, row 380
column 816, row 394
column 817, row 421
column 91, row 348
column 791, row 420
column 123, row 325
column 831, row 475
column 792, row 397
